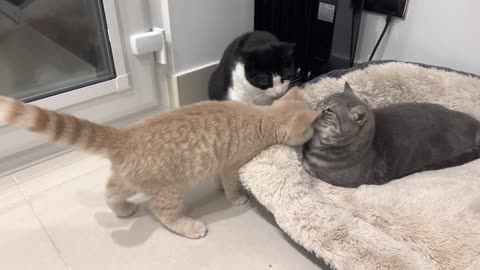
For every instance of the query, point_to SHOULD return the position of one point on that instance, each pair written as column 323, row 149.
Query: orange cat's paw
column 197, row 229
column 125, row 210
column 218, row 184
column 238, row 199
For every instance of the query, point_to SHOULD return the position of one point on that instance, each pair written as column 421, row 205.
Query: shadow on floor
column 209, row 205
column 206, row 203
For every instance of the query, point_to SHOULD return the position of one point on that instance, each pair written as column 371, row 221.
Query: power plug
column 397, row 8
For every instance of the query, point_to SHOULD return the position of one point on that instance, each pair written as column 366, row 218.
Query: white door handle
column 148, row 42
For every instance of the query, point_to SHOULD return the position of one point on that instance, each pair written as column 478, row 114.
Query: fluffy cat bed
column 429, row 220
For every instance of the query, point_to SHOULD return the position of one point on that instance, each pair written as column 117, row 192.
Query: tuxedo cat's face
column 270, row 68
column 342, row 117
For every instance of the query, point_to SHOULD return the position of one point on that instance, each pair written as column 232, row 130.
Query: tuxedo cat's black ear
column 359, row 115
column 245, row 55
column 347, row 90
column 287, row 48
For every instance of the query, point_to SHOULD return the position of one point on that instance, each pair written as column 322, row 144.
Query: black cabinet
column 324, row 31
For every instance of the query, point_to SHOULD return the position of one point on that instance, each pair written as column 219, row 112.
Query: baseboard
column 193, row 84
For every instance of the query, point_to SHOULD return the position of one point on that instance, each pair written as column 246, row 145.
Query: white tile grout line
column 58, row 167
column 54, row 186
column 41, row 223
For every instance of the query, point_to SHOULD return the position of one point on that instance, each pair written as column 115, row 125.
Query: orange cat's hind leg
column 167, row 205
column 218, row 183
column 116, row 196
column 233, row 189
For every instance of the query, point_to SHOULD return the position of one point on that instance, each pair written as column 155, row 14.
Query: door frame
column 141, row 85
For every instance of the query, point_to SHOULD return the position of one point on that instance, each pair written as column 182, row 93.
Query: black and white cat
column 255, row 68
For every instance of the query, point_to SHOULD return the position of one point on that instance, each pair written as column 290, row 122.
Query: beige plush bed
column 429, row 220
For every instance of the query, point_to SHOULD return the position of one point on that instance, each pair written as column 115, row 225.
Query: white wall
column 202, row 29
column 437, row 32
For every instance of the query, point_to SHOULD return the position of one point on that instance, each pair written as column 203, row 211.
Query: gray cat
column 355, row 145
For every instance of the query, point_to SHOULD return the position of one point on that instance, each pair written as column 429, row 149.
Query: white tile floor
column 53, row 216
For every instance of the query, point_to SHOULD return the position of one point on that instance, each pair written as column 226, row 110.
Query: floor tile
column 23, row 243
column 9, row 192
column 90, row 237
column 40, row 178
column 50, row 165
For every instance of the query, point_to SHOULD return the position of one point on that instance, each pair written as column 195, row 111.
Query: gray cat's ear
column 359, row 115
column 347, row 90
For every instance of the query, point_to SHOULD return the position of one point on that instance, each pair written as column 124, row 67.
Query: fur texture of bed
column 429, row 220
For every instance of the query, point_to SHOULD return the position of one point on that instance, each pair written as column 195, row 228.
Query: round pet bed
column 428, row 220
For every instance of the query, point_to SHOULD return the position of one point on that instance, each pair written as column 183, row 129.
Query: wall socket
column 397, row 8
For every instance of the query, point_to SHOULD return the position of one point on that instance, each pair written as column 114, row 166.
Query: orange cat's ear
column 305, row 119
column 292, row 94
column 314, row 115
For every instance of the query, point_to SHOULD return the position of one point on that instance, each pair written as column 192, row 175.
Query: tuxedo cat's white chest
column 242, row 90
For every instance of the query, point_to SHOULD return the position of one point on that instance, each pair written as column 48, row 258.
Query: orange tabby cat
column 164, row 154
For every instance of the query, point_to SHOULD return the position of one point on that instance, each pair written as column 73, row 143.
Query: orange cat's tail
column 61, row 128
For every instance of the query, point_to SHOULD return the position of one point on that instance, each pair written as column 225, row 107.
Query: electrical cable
column 387, row 23
column 356, row 18
column 351, row 38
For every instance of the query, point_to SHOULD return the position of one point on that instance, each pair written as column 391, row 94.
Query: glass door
column 75, row 56
column 48, row 47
